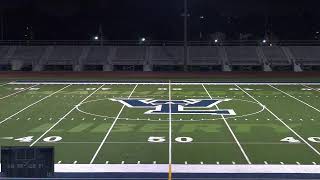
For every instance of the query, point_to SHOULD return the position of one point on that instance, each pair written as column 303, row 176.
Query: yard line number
column 47, row 139
column 293, row 140
column 157, row 139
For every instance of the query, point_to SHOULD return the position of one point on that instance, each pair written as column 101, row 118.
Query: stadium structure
column 296, row 56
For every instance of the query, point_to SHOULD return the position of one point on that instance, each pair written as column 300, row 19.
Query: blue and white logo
column 188, row 106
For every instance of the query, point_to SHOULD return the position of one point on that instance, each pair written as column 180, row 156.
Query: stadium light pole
column 185, row 41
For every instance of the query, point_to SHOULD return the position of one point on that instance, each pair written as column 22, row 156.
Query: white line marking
column 109, row 131
column 33, row 104
column 306, row 142
column 59, row 162
column 75, row 162
column 170, row 129
column 231, row 131
column 18, row 92
column 160, row 83
column 265, row 162
column 107, row 162
column 62, row 118
column 314, row 163
column 295, row 98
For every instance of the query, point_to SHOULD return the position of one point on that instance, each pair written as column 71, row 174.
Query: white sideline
column 62, row 118
column 293, row 131
column 181, row 168
column 159, row 83
column 232, row 133
column 18, row 92
column 110, row 129
column 33, row 104
column 294, row 98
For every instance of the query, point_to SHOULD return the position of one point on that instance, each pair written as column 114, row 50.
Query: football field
column 153, row 125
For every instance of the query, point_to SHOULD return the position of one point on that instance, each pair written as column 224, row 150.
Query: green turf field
column 87, row 124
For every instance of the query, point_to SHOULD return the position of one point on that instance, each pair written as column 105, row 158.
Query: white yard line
column 33, row 104
column 110, row 129
column 170, row 134
column 62, row 118
column 18, row 92
column 231, row 131
column 157, row 83
column 293, row 131
column 294, row 98
column 189, row 168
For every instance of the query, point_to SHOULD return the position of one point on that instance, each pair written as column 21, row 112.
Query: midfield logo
column 188, row 106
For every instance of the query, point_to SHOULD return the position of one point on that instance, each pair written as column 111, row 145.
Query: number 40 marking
column 293, row 140
column 47, row 139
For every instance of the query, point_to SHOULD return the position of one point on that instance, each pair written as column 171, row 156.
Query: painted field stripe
column 18, row 92
column 231, row 131
column 33, row 104
column 62, row 118
column 110, row 129
column 311, row 88
column 293, row 131
column 294, row 98
column 170, row 135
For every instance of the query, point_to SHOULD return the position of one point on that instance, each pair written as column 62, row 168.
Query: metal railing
column 156, row 43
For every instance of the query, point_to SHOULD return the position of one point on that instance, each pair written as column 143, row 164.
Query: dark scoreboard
column 35, row 162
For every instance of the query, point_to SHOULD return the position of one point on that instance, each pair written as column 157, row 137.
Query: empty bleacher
column 128, row 55
column 166, row 55
column 204, row 55
column 306, row 55
column 275, row 56
column 64, row 55
column 243, row 55
column 141, row 57
column 97, row 55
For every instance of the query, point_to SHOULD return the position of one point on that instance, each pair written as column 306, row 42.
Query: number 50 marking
column 161, row 139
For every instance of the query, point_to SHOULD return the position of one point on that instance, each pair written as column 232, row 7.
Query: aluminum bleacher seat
column 28, row 54
column 275, row 56
column 166, row 55
column 64, row 55
column 3, row 52
column 204, row 55
column 97, row 55
column 129, row 55
column 243, row 55
column 306, row 55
